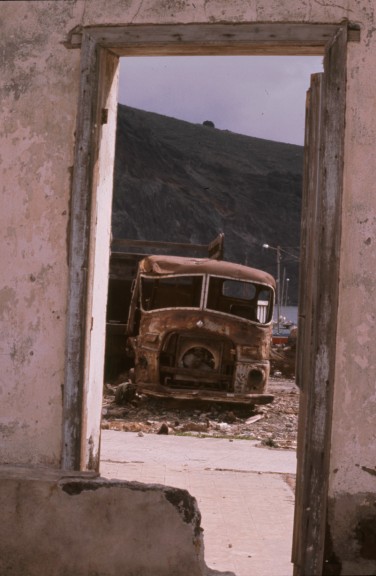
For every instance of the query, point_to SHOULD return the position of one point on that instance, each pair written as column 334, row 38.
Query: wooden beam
column 215, row 39
column 319, row 330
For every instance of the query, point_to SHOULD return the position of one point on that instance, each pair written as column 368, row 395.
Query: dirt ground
column 274, row 425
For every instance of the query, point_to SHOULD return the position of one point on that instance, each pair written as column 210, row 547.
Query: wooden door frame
column 319, row 291
column 110, row 43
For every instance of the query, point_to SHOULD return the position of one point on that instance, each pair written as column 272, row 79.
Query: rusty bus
column 200, row 328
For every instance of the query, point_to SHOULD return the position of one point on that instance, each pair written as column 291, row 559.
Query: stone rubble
column 274, row 425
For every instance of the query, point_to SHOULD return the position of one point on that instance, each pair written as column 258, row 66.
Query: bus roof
column 161, row 265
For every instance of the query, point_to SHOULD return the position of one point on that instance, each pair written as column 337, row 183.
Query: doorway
column 184, row 176
column 97, row 108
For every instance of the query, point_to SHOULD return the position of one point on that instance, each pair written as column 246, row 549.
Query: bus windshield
column 171, row 292
column 241, row 298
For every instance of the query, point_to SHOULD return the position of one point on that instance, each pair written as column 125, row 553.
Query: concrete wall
column 71, row 526
column 39, row 95
column 352, row 511
column 39, row 79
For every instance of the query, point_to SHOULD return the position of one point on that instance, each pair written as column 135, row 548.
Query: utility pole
column 278, row 250
column 281, row 294
column 278, row 286
column 287, row 287
column 283, row 287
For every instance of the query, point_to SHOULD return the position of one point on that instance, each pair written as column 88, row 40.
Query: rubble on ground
column 274, row 425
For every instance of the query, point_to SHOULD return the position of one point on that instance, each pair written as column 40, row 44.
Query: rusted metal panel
column 157, row 391
column 181, row 265
column 125, row 257
column 196, row 337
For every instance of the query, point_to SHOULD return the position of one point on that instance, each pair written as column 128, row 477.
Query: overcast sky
column 259, row 96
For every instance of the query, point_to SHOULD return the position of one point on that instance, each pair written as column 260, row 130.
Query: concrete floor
column 243, row 491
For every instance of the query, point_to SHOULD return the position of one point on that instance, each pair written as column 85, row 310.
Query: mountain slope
column 186, row 182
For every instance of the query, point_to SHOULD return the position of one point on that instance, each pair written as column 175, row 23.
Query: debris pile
column 274, row 425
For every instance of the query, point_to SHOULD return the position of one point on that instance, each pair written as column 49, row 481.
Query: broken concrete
column 83, row 525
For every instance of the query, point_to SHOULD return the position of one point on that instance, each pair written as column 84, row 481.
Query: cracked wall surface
column 82, row 529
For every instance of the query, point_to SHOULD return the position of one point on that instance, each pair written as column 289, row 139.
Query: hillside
column 185, row 182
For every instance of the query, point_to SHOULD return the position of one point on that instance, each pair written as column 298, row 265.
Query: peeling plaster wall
column 39, row 94
column 195, row 11
column 39, row 88
column 352, row 490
